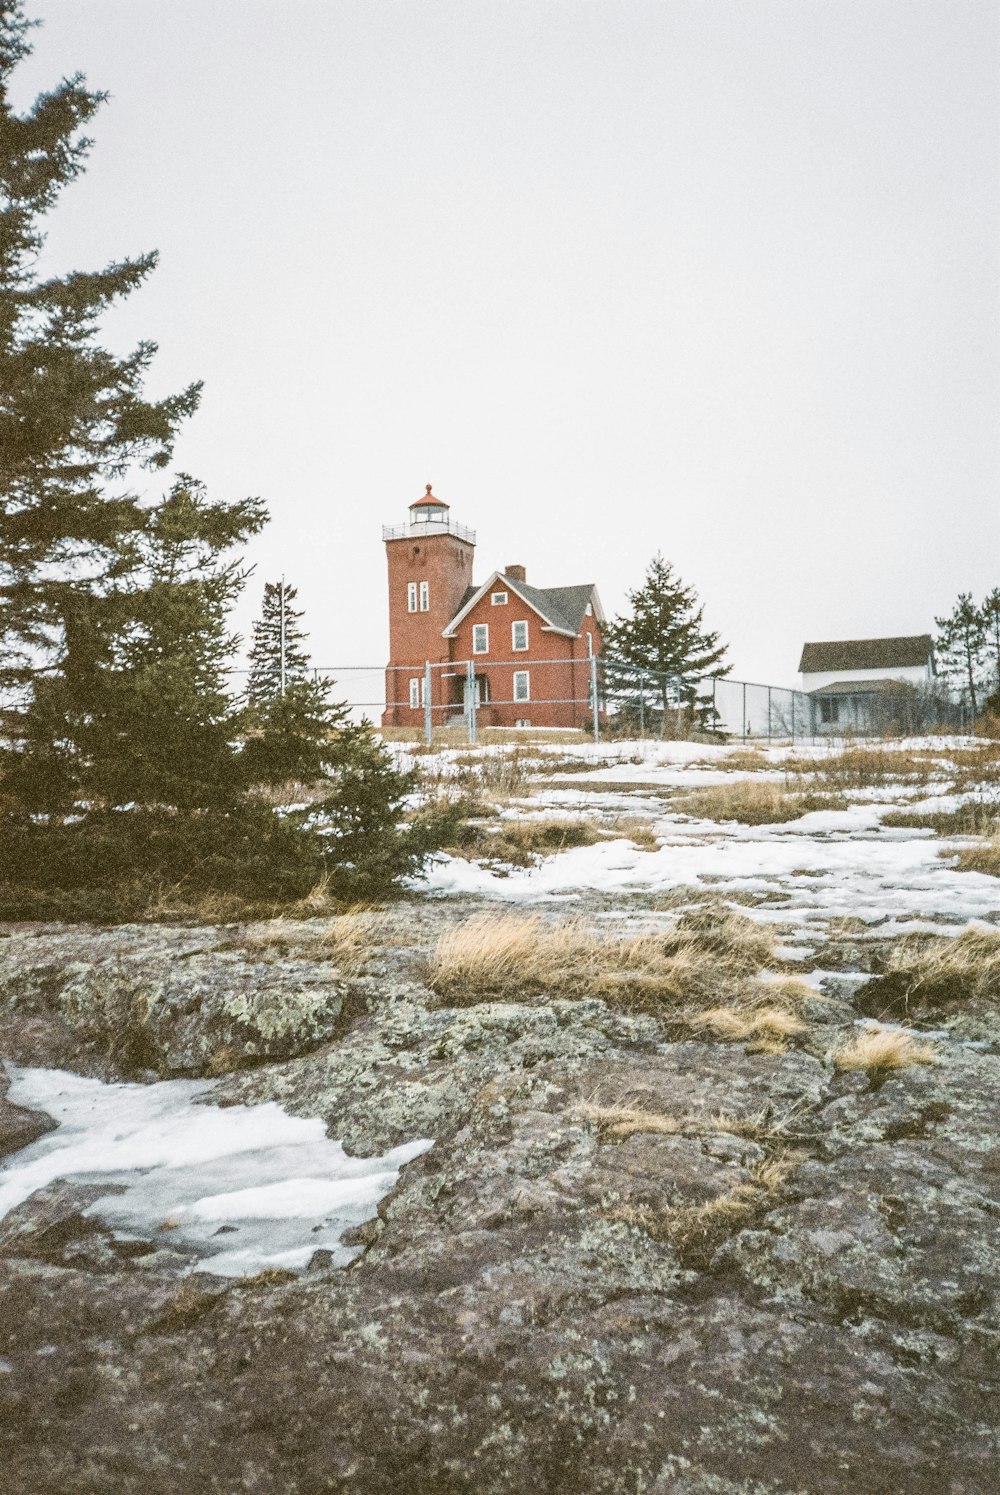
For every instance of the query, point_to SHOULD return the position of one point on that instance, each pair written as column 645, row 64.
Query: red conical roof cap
column 427, row 499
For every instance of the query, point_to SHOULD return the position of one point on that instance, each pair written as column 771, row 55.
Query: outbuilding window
column 519, row 635
column 480, row 638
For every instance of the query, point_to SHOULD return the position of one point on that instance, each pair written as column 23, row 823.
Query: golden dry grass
column 707, row 957
column 618, row 1121
column 944, row 970
column 975, row 818
column 519, row 842
column 982, row 857
column 753, row 802
column 347, row 940
column 695, row 1228
column 639, row 832
column 878, row 1050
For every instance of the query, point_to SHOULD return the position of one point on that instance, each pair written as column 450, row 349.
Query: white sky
column 718, row 277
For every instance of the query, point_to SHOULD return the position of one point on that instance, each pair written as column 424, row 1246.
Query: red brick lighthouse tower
column 430, row 572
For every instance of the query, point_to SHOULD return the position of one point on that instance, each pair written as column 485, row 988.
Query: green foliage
column 265, row 679
column 73, row 417
column 130, row 764
column 962, row 646
column 663, row 642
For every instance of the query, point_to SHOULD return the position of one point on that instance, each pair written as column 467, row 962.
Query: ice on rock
column 238, row 1188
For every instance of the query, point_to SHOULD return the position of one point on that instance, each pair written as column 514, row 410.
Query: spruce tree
column 990, row 612
column 73, row 416
column 961, row 646
column 662, row 641
column 265, row 678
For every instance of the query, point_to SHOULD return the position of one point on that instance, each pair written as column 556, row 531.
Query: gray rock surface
column 790, row 1287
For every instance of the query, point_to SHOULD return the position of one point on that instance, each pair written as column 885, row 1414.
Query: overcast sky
column 714, row 277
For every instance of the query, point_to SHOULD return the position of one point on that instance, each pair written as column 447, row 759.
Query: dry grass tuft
column 936, row 974
column 519, row 842
column 883, row 1049
column 347, row 940
column 695, row 1230
column 975, row 818
column 753, row 802
column 639, row 832
column 983, row 857
column 704, row 956
column 868, row 767
column 617, row 1122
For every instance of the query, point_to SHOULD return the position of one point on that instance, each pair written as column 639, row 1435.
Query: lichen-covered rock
column 168, row 1001
column 773, row 1279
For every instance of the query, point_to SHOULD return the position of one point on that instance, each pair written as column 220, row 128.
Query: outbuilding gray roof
column 867, row 654
column 865, row 688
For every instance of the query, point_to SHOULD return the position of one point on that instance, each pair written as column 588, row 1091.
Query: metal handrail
column 436, row 527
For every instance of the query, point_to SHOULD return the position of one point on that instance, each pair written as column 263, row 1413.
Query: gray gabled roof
column 865, row 688
column 867, row 654
column 562, row 608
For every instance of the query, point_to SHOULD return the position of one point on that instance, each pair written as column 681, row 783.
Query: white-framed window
column 519, row 635
column 590, row 646
column 522, row 685
column 523, row 721
column 425, row 596
column 411, row 596
column 480, row 638
column 416, row 690
column 499, row 599
column 590, row 609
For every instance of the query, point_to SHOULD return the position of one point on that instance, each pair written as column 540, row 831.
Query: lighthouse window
column 411, row 597
column 522, row 685
column 480, row 638
column 415, row 690
column 425, row 599
column 519, row 635
column 499, row 599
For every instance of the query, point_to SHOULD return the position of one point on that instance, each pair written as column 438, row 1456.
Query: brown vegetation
column 983, row 857
column 697, row 975
column 878, row 1050
column 753, row 802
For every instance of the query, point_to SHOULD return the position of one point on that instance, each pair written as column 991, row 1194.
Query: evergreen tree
column 990, row 611
column 265, row 678
column 73, row 417
column 961, row 646
column 664, row 640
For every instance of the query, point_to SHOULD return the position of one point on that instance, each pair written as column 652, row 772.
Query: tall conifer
column 664, row 639
column 265, row 678
column 73, row 416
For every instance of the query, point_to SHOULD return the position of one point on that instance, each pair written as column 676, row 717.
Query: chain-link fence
column 611, row 700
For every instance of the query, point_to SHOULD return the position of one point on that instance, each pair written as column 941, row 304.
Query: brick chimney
column 516, row 573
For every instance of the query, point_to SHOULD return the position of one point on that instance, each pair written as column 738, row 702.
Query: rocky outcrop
column 627, row 1267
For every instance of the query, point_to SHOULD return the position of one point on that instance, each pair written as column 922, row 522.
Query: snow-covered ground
column 827, row 864
column 240, row 1188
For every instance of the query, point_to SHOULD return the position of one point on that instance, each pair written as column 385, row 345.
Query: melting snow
column 243, row 1187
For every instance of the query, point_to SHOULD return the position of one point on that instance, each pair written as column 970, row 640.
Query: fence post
column 642, row 703
column 769, row 713
column 793, row 716
column 593, row 698
column 744, row 711
column 428, row 704
column 470, row 690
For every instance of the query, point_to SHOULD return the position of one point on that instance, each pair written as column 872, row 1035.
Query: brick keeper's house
column 529, row 647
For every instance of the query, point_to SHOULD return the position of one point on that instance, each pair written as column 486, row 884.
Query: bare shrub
column 882, row 1049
